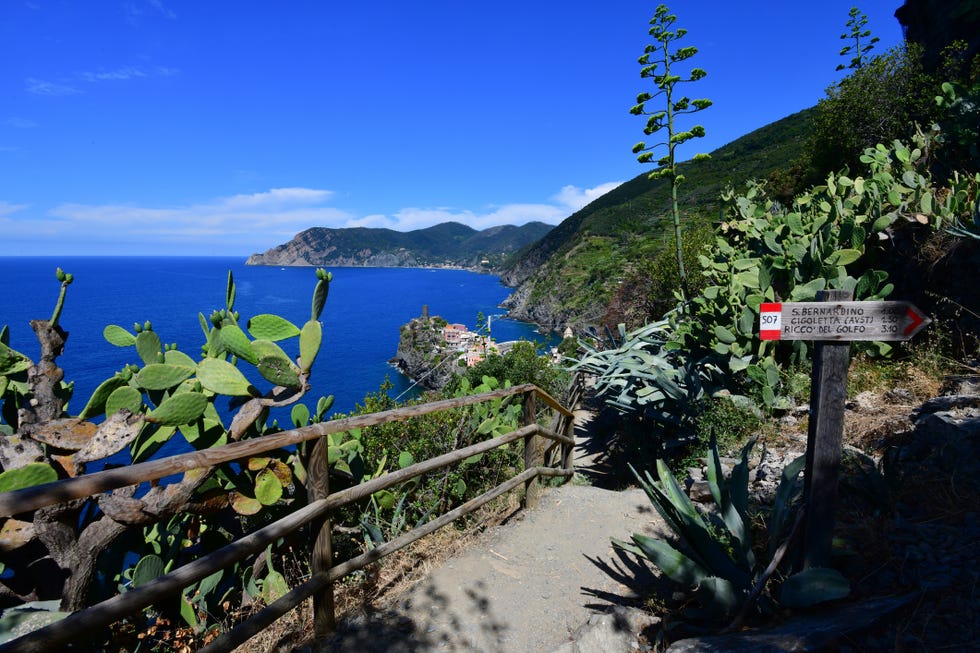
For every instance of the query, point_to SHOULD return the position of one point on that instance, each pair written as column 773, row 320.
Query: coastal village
column 473, row 347
column 432, row 349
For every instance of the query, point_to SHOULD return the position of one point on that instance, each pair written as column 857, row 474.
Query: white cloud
column 52, row 89
column 241, row 224
column 165, row 11
column 19, row 123
column 279, row 197
column 134, row 10
column 6, row 208
column 124, row 73
column 575, row 198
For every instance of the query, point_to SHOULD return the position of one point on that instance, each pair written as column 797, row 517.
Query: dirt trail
column 527, row 584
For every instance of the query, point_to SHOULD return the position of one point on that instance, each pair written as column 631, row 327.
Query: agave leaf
column 812, row 586
column 782, row 503
column 718, row 596
column 675, row 565
column 739, row 481
column 715, row 477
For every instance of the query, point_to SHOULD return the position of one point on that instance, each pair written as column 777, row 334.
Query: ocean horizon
column 361, row 320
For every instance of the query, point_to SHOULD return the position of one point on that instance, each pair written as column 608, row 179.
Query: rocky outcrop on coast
column 422, row 355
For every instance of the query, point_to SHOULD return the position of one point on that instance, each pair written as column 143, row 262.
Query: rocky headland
column 423, row 355
column 449, row 244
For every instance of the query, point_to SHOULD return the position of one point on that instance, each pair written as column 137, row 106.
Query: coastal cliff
column 422, row 353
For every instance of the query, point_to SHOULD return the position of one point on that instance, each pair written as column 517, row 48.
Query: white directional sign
column 840, row 321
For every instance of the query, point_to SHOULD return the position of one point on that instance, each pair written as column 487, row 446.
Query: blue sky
column 166, row 127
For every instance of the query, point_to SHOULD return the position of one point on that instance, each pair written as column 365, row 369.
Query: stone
column 614, row 631
column 700, row 492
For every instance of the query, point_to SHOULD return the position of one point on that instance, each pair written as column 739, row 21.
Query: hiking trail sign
column 833, row 321
column 840, row 321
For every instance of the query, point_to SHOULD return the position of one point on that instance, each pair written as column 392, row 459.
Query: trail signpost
column 841, row 320
column 833, row 322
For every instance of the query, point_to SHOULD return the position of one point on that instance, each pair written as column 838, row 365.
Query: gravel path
column 526, row 586
column 529, row 583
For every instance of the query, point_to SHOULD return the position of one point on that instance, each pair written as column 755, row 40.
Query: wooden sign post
column 833, row 322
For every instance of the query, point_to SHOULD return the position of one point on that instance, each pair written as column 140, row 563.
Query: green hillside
column 572, row 274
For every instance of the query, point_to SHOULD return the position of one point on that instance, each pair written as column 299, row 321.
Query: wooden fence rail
column 58, row 634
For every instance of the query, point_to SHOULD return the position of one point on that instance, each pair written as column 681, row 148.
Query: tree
column 666, row 82
column 877, row 103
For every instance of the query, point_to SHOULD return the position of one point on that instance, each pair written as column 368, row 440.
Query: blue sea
column 361, row 321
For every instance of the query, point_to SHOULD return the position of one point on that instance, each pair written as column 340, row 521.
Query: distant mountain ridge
column 449, row 244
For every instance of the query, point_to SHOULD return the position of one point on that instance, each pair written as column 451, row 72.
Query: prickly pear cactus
column 163, row 393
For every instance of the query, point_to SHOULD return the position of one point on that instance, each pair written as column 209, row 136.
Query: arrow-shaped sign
column 840, row 321
column 917, row 321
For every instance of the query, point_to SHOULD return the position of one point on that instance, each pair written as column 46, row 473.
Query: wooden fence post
column 531, row 456
column 324, row 618
column 828, row 394
column 567, row 450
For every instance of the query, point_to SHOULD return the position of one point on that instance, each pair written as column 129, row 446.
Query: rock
column 899, row 396
column 422, row 355
column 819, row 632
column 788, row 420
column 947, row 403
column 611, row 632
column 700, row 492
column 866, row 402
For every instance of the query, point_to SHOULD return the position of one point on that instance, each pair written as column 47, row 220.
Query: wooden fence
column 540, row 460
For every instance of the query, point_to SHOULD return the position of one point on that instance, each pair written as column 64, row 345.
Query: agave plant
column 712, row 555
